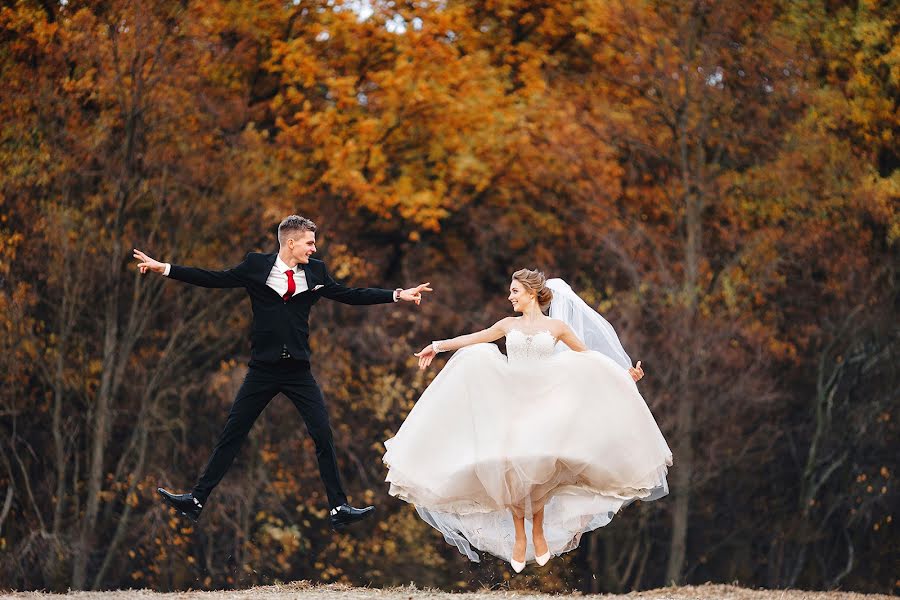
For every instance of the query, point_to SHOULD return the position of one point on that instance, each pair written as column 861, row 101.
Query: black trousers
column 262, row 383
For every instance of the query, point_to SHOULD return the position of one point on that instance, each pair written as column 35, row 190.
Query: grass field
column 307, row 591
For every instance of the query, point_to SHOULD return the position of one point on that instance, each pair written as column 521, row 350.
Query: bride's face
column 518, row 297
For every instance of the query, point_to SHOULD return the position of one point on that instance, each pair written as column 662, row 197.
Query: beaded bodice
column 527, row 347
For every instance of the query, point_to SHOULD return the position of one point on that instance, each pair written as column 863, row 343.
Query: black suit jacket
column 278, row 323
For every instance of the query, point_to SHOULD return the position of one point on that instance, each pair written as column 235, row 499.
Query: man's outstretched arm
column 202, row 277
column 340, row 293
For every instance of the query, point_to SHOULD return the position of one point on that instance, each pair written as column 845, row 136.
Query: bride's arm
column 494, row 332
column 568, row 337
column 565, row 335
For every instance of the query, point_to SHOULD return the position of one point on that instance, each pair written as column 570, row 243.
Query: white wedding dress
column 567, row 431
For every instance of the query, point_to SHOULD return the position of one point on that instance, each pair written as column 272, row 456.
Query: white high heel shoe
column 543, row 558
column 516, row 565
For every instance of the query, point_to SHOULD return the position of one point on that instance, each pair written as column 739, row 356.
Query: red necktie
column 292, row 287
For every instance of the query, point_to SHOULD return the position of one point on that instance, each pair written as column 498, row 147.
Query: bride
column 560, row 439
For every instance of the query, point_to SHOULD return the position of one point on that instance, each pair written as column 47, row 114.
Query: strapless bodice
column 521, row 347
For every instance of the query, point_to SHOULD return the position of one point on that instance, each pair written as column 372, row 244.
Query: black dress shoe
column 186, row 504
column 345, row 515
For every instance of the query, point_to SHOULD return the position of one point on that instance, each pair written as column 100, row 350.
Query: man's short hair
column 293, row 224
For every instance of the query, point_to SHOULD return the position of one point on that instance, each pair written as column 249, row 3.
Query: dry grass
column 306, row 591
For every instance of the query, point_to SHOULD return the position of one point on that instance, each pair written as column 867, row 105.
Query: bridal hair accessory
column 591, row 328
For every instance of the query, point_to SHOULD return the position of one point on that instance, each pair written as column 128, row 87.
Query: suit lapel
column 263, row 275
column 310, row 278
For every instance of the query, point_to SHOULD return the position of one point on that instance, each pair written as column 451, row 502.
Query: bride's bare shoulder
column 505, row 323
column 557, row 327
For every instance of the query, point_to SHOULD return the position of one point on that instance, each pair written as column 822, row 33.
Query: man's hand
column 414, row 294
column 148, row 263
column 636, row 371
column 426, row 355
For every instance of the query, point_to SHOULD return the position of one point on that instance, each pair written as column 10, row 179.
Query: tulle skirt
column 569, row 434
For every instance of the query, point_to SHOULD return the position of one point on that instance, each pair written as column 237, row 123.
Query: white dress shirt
column 278, row 281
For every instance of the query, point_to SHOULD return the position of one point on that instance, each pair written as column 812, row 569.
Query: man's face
column 302, row 245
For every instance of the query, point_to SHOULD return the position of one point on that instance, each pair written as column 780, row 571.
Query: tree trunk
column 681, row 485
column 683, row 446
column 100, row 426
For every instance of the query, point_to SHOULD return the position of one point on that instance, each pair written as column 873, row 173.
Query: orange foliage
column 720, row 179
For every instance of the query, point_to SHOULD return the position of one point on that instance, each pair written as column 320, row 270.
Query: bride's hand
column 636, row 371
column 426, row 355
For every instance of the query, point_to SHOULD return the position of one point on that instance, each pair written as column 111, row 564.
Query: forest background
column 720, row 179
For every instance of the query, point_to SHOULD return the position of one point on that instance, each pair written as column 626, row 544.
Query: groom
column 283, row 288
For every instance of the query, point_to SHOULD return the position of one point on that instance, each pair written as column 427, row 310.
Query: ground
column 306, row 591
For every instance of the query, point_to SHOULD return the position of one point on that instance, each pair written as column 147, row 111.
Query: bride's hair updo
column 536, row 283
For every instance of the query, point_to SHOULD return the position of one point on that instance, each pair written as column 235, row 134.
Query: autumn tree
column 718, row 179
